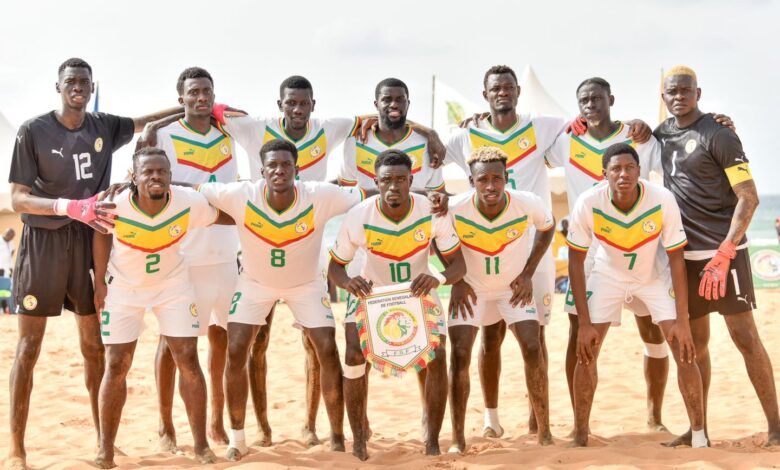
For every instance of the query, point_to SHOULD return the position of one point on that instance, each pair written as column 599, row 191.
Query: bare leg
column 462, row 337
column 313, row 391
column 240, row 337
column 217, row 358
column 323, row 340
column 585, row 381
column 689, row 381
column 165, row 375
column 656, row 373
column 94, row 360
column 527, row 334
column 533, row 428
column 113, row 393
column 355, row 392
column 744, row 333
column 435, row 398
column 258, row 369
column 28, row 348
column 490, row 368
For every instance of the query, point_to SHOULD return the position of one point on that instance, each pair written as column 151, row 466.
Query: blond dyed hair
column 681, row 70
column 486, row 155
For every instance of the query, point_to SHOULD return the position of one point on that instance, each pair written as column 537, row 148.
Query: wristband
column 61, row 206
column 439, row 277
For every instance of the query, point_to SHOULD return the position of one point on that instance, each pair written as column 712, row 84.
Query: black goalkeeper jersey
column 700, row 164
column 57, row 162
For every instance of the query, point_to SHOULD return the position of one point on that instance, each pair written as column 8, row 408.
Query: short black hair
column 192, row 72
column 392, row 157
column 146, row 152
column 390, row 82
column 497, row 70
column 618, row 149
column 596, row 81
column 76, row 63
column 296, row 82
column 277, row 145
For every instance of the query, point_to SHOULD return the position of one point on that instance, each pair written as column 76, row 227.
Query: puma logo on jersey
column 743, row 168
column 58, row 152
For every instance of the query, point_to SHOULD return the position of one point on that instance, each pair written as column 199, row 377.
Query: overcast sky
column 137, row 50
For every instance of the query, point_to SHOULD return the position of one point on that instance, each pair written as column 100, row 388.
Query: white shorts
column 544, row 288
column 122, row 318
column 309, row 303
column 214, row 286
column 608, row 296
column 497, row 301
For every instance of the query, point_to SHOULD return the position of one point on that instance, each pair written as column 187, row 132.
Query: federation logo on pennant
column 98, row 144
column 174, row 231
column 396, row 327
column 649, row 226
column 30, row 302
column 690, row 146
column 419, row 235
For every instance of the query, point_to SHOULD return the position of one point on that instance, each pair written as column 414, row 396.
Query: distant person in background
column 777, row 228
column 7, row 252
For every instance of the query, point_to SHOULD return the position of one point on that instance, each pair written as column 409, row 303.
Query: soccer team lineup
column 211, row 256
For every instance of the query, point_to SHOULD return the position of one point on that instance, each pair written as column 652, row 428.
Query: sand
column 60, row 433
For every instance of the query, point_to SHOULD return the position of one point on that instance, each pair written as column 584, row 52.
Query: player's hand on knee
column 358, row 286
column 439, row 203
column 587, row 339
column 522, row 290
column 423, row 284
column 639, row 131
column 681, row 331
column 724, row 121
column 462, row 298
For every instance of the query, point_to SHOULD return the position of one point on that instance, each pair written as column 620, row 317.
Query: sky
column 137, row 49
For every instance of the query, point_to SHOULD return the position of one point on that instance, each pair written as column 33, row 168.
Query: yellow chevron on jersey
column 490, row 241
column 275, row 233
column 400, row 244
column 151, row 238
column 207, row 157
column 517, row 145
column 309, row 152
column 365, row 155
column 587, row 158
column 628, row 236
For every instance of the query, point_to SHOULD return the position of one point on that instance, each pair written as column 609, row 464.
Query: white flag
column 450, row 108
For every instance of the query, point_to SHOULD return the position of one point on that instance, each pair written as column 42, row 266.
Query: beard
column 390, row 124
column 157, row 197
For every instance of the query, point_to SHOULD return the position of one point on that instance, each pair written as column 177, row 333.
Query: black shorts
column 52, row 271
column 740, row 296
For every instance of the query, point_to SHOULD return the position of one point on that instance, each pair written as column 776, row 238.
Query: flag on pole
column 95, row 104
column 449, row 107
column 662, row 114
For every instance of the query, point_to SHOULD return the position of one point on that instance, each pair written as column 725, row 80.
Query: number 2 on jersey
column 151, row 263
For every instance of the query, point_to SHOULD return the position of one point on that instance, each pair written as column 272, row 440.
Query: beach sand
column 60, row 433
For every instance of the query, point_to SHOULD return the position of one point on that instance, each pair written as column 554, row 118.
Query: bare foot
column 233, row 454
column 490, row 432
column 206, row 456
column 359, row 450
column 15, row 463
column 683, row 440
column 773, row 439
column 656, row 427
column 217, row 434
column 309, row 437
column 432, row 448
column 167, row 443
column 337, row 443
column 545, row 439
column 264, row 440
column 458, row 445
column 104, row 460
column 575, row 443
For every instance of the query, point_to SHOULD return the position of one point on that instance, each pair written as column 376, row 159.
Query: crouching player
column 140, row 267
column 492, row 224
column 632, row 219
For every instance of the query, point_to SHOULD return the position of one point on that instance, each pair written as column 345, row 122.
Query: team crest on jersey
column 512, row 233
column 194, row 310
column 174, row 231
column 547, row 299
column 30, row 302
column 419, row 235
column 316, row 151
column 690, row 146
column 325, row 302
column 523, row 143
column 98, row 144
column 301, row 227
column 649, row 226
column 224, row 149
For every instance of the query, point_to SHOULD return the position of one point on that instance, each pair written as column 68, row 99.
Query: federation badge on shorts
column 98, row 144
column 174, row 231
column 419, row 235
column 30, row 302
column 547, row 300
column 690, row 146
column 671, row 292
column 194, row 310
column 523, row 143
column 325, row 302
column 224, row 149
column 649, row 226
column 301, row 227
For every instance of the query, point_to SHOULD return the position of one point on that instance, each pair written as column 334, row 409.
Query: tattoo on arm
column 747, row 203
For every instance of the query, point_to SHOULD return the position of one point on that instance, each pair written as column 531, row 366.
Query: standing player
column 201, row 153
column 282, row 224
column 581, row 157
column 142, row 266
column 707, row 171
column 60, row 157
column 493, row 226
column 633, row 221
column 396, row 230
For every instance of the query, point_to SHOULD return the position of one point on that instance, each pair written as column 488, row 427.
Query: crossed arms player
column 634, row 220
column 396, row 230
column 493, row 225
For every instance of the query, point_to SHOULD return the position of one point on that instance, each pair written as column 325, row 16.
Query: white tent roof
column 535, row 100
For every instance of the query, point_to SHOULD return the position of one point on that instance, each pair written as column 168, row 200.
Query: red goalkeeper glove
column 218, row 112
column 88, row 211
column 577, row 126
column 715, row 274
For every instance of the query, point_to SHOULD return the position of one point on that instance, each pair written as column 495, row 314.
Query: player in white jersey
column 391, row 99
column 639, row 255
column 396, row 230
column 146, row 269
column 493, row 225
column 201, row 152
column 281, row 226
column 581, row 156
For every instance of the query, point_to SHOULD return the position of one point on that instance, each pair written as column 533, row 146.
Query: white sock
column 698, row 439
column 491, row 419
column 238, row 441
